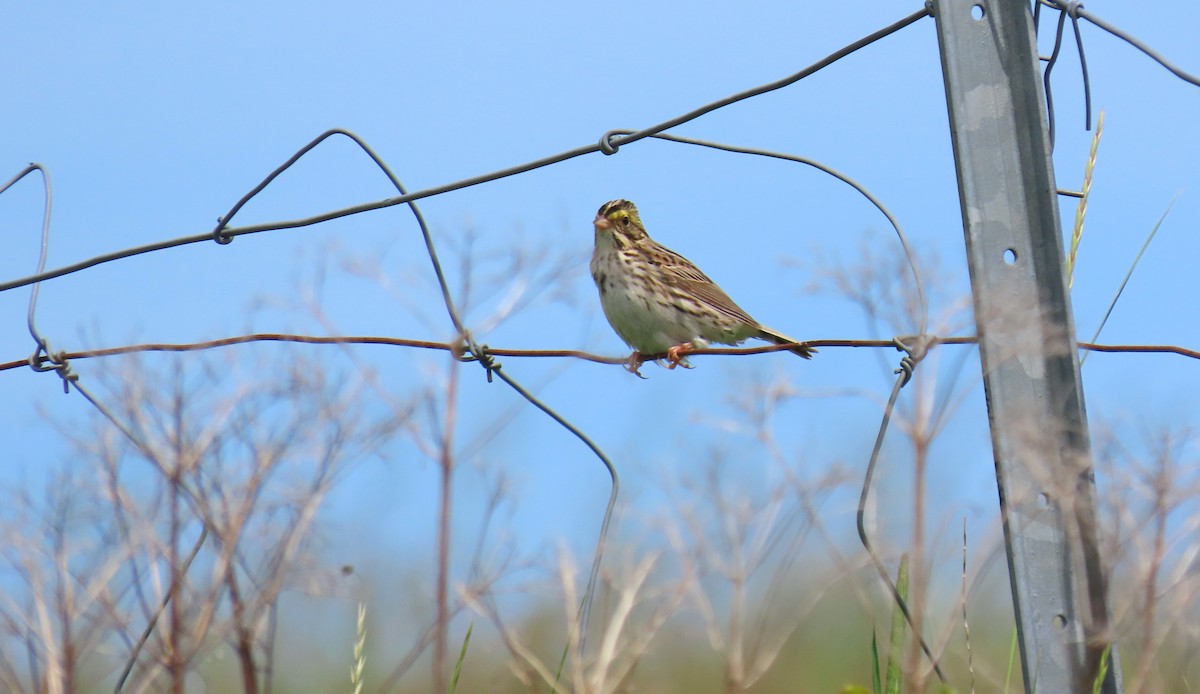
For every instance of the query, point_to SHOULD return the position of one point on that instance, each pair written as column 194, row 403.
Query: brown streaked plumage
column 658, row 301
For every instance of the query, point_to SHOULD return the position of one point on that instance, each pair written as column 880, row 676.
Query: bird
column 658, row 301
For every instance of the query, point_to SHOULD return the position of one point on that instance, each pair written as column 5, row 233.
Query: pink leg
column 676, row 356
column 634, row 363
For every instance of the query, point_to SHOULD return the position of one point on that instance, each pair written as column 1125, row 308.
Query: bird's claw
column 634, row 363
column 676, row 356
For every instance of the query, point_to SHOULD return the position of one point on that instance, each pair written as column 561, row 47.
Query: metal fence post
column 1026, row 343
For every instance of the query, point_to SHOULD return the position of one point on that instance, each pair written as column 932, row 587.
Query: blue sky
column 154, row 118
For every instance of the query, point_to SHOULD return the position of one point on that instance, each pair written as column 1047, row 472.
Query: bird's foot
column 676, row 356
column 634, row 362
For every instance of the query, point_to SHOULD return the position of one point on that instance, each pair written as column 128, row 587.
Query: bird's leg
column 676, row 356
column 634, row 362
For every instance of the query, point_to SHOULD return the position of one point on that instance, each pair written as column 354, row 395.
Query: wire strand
column 905, row 373
column 909, row 255
column 224, row 233
column 1075, row 9
column 477, row 352
column 552, row 353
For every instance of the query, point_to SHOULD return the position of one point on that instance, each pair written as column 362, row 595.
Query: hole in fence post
column 1059, row 621
column 1010, row 256
column 977, row 12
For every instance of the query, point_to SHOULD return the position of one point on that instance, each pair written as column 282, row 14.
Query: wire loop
column 1076, row 11
column 219, row 235
column 43, row 359
column 915, row 347
column 1071, row 7
column 466, row 350
column 608, row 146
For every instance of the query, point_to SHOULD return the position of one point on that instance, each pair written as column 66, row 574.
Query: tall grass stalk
column 462, row 656
column 1081, row 209
column 360, row 648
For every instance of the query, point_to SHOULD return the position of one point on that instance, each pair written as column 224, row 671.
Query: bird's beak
column 601, row 222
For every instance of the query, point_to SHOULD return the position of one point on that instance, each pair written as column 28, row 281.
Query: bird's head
column 620, row 218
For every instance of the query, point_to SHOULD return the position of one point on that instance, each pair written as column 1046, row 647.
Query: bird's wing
column 679, row 268
column 682, row 273
column 714, row 296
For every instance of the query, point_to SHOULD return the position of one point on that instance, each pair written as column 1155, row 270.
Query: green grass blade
column 462, row 656
column 876, row 685
column 899, row 627
column 562, row 663
column 1012, row 659
column 1103, row 673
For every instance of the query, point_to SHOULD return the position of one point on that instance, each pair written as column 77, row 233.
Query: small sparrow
column 658, row 301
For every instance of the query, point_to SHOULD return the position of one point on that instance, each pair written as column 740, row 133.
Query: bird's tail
column 781, row 339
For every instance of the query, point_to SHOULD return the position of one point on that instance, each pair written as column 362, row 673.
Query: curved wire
column 477, row 352
column 43, row 359
column 1058, row 33
column 223, row 233
column 41, row 354
column 589, row 594
column 1076, row 9
column 162, row 606
column 770, row 86
column 900, row 235
column 1087, row 83
column 905, row 373
column 1053, row 59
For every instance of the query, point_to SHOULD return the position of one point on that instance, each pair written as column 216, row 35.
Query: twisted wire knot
column 607, row 145
column 915, row 348
column 465, row 349
column 219, row 233
column 1070, row 7
column 43, row 360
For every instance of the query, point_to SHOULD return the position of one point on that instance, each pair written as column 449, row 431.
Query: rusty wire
column 545, row 353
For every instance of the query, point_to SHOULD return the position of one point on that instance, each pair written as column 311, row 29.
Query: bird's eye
column 623, row 221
